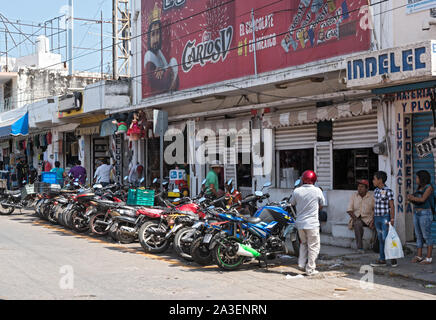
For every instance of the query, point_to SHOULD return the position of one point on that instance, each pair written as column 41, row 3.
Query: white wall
column 408, row 27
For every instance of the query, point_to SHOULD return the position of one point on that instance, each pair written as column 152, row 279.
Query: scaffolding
column 121, row 41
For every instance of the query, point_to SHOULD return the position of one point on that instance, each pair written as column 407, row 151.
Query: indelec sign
column 398, row 64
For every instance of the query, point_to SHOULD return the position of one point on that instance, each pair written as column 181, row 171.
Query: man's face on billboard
column 155, row 37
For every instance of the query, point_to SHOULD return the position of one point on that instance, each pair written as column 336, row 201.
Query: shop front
column 336, row 141
column 403, row 78
column 415, row 145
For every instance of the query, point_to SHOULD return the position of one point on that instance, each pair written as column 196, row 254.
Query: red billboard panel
column 189, row 43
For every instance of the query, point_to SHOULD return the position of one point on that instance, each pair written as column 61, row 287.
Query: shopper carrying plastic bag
column 393, row 247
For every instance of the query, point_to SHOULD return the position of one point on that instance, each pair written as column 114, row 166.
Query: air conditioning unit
column 71, row 102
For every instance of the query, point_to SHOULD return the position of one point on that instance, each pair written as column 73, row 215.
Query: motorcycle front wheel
column 78, row 222
column 201, row 253
column 181, row 246
column 6, row 210
column 225, row 255
column 97, row 228
column 124, row 237
column 151, row 242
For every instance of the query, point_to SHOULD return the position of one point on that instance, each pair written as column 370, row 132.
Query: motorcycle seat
column 13, row 193
column 252, row 220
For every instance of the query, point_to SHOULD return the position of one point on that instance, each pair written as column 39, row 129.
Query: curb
column 390, row 272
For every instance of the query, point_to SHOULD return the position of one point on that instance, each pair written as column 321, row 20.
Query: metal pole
column 6, row 44
column 254, row 41
column 70, row 39
column 115, row 38
column 161, row 159
column 101, row 47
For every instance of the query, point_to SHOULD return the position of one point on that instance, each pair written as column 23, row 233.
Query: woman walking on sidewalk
column 423, row 200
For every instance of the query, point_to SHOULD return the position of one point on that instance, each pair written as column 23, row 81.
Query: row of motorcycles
column 228, row 231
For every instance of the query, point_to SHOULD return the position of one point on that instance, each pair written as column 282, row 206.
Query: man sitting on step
column 361, row 211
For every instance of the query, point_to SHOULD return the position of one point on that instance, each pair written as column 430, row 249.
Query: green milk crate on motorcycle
column 140, row 197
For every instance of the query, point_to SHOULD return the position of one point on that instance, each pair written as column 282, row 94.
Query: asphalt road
column 42, row 261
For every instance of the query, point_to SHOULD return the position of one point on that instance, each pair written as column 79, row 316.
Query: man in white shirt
column 103, row 173
column 308, row 200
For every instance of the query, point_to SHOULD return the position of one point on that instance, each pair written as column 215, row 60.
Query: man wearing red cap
column 361, row 211
column 308, row 201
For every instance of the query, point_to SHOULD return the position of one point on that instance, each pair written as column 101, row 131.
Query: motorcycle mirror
column 177, row 200
column 233, row 190
column 75, row 183
column 297, row 183
column 211, row 207
column 154, row 180
column 176, row 190
column 202, row 200
column 142, row 180
column 230, row 181
column 164, row 183
column 266, row 185
column 76, row 180
column 97, row 186
column 258, row 193
column 125, row 178
column 204, row 182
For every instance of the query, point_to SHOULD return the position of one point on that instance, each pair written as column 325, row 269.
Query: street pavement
column 43, row 261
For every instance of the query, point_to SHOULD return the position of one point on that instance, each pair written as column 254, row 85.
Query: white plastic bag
column 393, row 247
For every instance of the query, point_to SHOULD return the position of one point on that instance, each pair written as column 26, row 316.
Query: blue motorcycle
column 270, row 231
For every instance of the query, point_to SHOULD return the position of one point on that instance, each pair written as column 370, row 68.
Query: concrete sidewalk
column 338, row 257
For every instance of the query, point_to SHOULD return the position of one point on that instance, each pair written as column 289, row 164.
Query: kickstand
column 266, row 263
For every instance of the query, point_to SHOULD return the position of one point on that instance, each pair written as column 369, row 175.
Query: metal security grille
column 354, row 133
column 422, row 129
column 293, row 138
column 324, row 164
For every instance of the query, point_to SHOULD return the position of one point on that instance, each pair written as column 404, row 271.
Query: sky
column 86, row 35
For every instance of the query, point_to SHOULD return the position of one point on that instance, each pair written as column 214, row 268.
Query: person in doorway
column 79, row 172
column 60, row 173
column 384, row 213
column 135, row 174
column 20, row 169
column 361, row 211
column 212, row 181
column 102, row 174
column 308, row 200
column 423, row 201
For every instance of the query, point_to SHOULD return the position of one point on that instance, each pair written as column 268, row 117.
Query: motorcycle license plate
column 207, row 238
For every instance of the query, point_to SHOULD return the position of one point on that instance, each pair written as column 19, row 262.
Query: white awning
column 313, row 114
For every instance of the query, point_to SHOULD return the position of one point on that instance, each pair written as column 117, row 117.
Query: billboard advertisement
column 190, row 43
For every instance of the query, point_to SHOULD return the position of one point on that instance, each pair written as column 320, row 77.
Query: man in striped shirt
column 384, row 213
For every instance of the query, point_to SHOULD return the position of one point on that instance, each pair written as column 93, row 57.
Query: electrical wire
column 237, row 47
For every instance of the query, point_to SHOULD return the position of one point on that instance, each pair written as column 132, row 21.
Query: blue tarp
column 21, row 126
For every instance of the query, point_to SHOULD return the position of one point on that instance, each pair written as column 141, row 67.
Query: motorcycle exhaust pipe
column 103, row 223
column 156, row 232
column 247, row 251
column 17, row 206
column 128, row 230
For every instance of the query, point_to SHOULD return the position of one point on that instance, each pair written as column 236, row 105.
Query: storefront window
column 292, row 163
column 351, row 165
